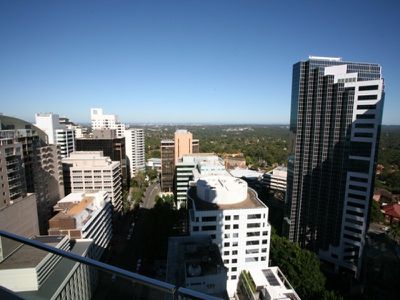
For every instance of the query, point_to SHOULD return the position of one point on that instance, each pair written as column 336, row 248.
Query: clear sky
column 183, row 61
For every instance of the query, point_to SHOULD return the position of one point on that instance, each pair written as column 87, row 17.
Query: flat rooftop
column 27, row 256
column 189, row 253
column 251, row 201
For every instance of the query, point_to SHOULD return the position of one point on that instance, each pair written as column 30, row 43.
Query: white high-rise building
column 57, row 133
column 86, row 171
column 102, row 121
column 230, row 212
column 134, row 149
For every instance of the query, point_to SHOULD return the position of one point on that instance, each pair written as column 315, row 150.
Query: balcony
column 73, row 274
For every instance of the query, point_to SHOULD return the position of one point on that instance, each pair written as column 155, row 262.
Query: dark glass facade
column 323, row 142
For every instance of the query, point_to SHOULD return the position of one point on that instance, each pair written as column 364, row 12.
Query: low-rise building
column 195, row 263
column 48, row 276
column 275, row 179
column 84, row 216
column 260, row 283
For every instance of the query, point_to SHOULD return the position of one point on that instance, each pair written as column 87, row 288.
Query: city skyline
column 182, row 61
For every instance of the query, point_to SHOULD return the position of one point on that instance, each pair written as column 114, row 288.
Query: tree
column 376, row 214
column 301, row 267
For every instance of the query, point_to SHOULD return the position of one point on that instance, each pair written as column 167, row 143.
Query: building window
column 226, row 244
column 226, row 253
column 234, row 261
column 254, row 216
column 235, row 226
column 208, row 228
column 233, row 277
column 209, row 219
column 253, row 225
column 234, row 252
column 195, row 228
column 227, row 218
column 236, row 217
column 227, row 226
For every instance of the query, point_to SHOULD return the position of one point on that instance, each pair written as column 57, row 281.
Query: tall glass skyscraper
column 336, row 114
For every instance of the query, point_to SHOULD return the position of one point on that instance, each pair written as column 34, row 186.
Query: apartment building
column 236, row 220
column 135, row 149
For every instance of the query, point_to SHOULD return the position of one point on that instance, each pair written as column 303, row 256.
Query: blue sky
column 183, row 61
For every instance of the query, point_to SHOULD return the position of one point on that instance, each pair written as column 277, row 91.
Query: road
column 150, row 195
column 125, row 254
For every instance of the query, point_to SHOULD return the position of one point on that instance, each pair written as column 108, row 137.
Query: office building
column 135, row 150
column 167, row 165
column 172, row 152
column 183, row 143
column 84, row 216
column 275, row 180
column 57, row 133
column 195, row 146
column 30, row 165
column 185, row 171
column 335, row 122
column 195, row 262
column 106, row 140
column 102, row 121
column 86, row 171
column 46, row 275
column 224, row 208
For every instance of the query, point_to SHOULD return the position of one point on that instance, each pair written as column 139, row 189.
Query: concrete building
column 20, row 217
column 335, row 122
column 12, row 172
column 185, row 172
column 30, row 165
column 275, row 180
column 269, row 284
column 102, row 121
column 57, row 133
column 172, row 152
column 183, row 143
column 48, row 276
column 195, row 263
column 106, row 140
column 154, row 163
column 224, row 208
column 84, row 216
column 167, row 165
column 86, row 171
column 135, row 150
column 235, row 161
column 195, row 146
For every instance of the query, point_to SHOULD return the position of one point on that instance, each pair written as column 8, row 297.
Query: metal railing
column 170, row 289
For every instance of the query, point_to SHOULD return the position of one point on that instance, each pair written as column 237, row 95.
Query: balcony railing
column 110, row 280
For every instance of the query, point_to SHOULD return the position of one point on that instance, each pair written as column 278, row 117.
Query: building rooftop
column 27, row 256
column 192, row 256
column 59, row 274
column 272, row 282
column 80, row 206
column 251, row 201
column 239, row 173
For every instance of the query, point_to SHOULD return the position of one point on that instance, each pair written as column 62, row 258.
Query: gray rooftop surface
column 27, row 256
column 60, row 273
